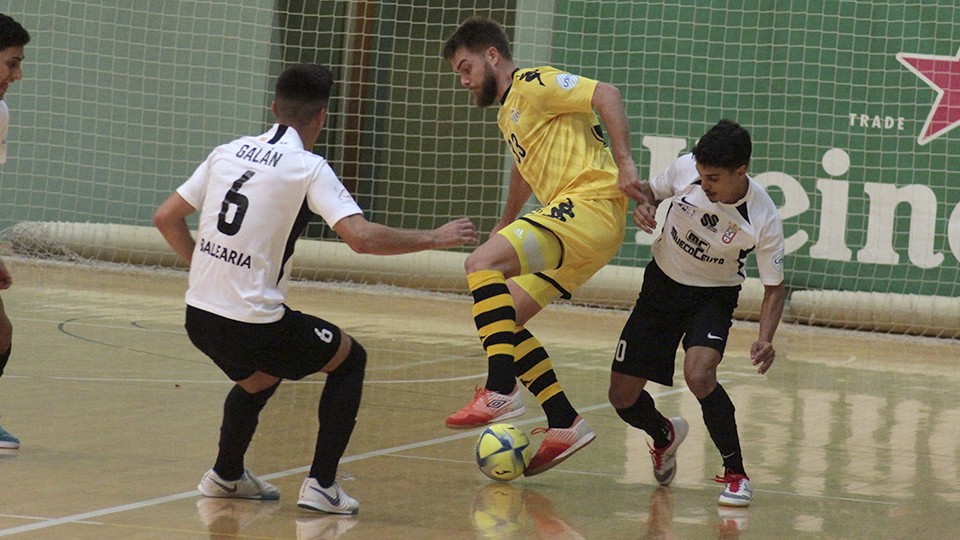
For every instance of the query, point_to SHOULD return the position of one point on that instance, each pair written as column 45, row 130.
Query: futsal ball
column 503, row 452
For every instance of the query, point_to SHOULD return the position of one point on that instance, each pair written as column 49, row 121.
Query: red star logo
column 942, row 73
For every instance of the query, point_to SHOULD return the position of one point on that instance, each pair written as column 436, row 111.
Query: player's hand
column 762, row 354
column 5, row 278
column 455, row 233
column 629, row 182
column 645, row 216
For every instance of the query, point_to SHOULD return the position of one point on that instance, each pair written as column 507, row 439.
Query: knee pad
column 537, row 248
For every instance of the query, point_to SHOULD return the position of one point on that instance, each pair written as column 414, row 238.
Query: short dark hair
column 726, row 145
column 478, row 34
column 302, row 90
column 12, row 34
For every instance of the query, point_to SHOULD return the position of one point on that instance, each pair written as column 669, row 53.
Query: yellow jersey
column 547, row 119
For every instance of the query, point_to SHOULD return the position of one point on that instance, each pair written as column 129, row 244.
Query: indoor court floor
column 850, row 435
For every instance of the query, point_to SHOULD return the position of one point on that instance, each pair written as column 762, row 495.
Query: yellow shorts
column 590, row 233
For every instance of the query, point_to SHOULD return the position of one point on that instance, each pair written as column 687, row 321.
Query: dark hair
column 726, row 145
column 11, row 33
column 302, row 90
column 478, row 34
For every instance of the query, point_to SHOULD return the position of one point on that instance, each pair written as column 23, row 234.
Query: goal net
column 851, row 106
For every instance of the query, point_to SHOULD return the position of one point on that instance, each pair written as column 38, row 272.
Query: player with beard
column 548, row 118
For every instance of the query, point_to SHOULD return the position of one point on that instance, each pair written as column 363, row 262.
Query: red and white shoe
column 487, row 407
column 558, row 445
column 737, row 491
column 665, row 459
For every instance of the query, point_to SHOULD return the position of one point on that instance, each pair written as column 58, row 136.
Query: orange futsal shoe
column 558, row 445
column 487, row 407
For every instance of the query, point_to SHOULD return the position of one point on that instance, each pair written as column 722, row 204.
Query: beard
column 488, row 90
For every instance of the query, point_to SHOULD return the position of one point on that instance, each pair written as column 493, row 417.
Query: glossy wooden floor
column 849, row 436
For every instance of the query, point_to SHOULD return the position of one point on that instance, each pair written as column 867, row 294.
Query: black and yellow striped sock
column 495, row 317
column 535, row 371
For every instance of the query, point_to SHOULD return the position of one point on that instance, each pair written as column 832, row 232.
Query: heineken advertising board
column 852, row 107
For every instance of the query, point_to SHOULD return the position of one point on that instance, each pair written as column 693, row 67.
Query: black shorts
column 666, row 313
column 295, row 346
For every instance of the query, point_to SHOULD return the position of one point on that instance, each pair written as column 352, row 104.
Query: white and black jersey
column 4, row 126
column 255, row 196
column 705, row 244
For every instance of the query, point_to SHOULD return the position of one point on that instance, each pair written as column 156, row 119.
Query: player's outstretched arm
column 762, row 352
column 367, row 237
column 608, row 103
column 170, row 219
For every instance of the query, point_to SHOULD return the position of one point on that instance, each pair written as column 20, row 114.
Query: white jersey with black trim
column 705, row 244
column 4, row 126
column 255, row 196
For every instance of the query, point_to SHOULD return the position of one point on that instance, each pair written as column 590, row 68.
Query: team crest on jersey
column 567, row 81
column 730, row 233
column 515, row 116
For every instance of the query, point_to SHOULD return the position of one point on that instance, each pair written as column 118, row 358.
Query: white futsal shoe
column 247, row 487
column 331, row 500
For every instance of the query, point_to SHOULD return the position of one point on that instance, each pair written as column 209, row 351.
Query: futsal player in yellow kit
column 548, row 118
